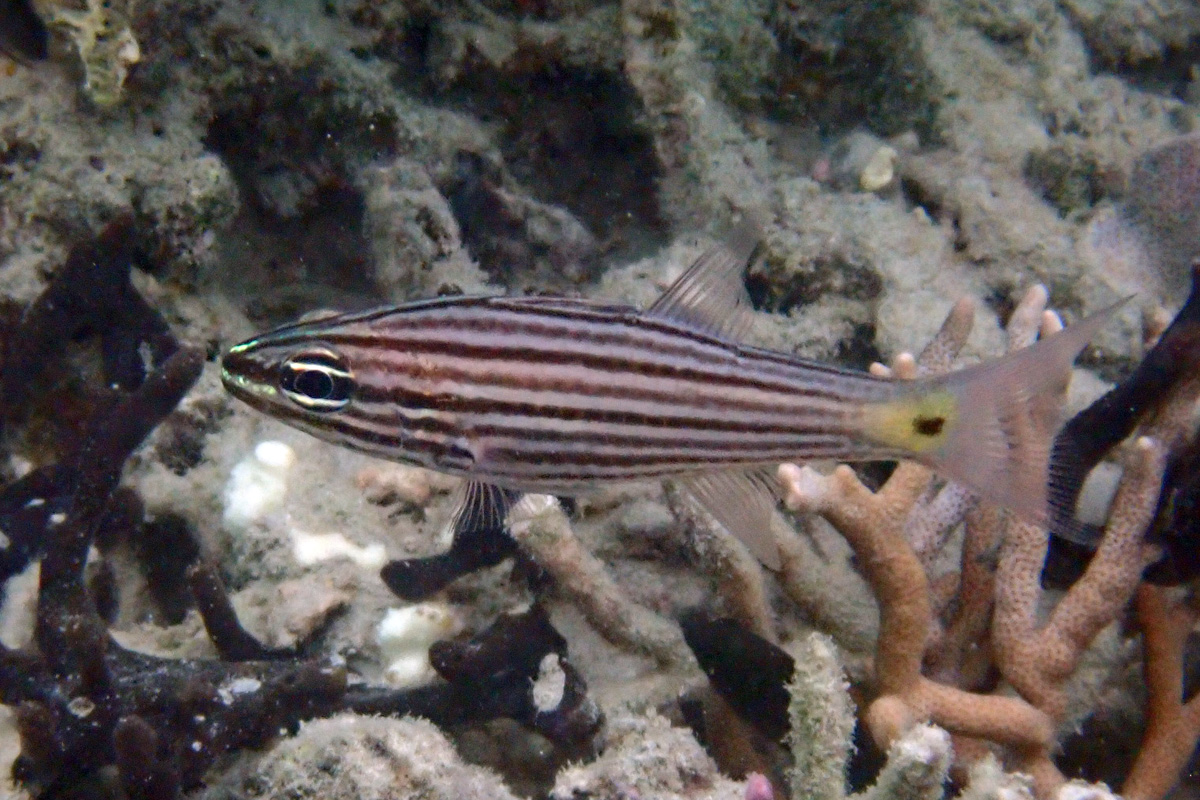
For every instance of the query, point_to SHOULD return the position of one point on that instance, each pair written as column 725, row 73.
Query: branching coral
column 918, row 762
column 83, row 702
column 541, row 528
column 740, row 583
column 1172, row 721
column 941, row 641
column 1036, row 659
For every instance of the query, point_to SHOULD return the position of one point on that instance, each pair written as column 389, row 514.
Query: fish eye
column 319, row 380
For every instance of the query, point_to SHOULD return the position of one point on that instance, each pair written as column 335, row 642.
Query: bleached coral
column 649, row 759
column 404, row 636
column 257, row 486
column 822, row 719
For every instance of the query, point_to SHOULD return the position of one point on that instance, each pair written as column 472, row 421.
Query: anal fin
column 744, row 503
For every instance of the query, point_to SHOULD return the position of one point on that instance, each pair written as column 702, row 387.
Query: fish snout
column 247, row 377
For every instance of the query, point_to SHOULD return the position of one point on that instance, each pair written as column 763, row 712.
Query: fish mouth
column 247, row 378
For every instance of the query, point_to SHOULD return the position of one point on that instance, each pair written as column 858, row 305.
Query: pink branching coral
column 938, row 640
column 1172, row 725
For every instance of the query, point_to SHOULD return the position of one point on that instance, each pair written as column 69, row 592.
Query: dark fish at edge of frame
column 23, row 35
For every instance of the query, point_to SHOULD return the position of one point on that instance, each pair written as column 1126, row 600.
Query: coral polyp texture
column 201, row 602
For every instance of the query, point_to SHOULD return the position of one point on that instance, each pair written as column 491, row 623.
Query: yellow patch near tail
column 991, row 426
column 917, row 423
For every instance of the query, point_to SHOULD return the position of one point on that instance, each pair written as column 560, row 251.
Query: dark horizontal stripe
column 609, row 378
column 608, row 434
column 669, row 416
column 551, row 475
column 627, row 355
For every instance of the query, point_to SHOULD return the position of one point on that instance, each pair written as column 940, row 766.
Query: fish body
column 559, row 396
column 554, row 396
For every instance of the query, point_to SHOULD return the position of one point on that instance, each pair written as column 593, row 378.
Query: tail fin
column 991, row 426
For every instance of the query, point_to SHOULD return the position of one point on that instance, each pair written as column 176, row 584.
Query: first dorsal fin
column 710, row 295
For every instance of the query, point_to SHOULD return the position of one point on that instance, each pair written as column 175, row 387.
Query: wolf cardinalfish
column 552, row 395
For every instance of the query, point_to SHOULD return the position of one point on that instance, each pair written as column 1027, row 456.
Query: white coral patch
column 404, row 636
column 550, row 685
column 257, row 485
column 312, row 548
column 231, row 689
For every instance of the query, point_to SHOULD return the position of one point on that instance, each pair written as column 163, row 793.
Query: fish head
column 356, row 380
column 293, row 376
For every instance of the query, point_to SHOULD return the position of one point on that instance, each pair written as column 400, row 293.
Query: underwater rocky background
column 201, row 601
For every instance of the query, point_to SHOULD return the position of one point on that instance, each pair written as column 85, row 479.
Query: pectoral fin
column 744, row 504
column 482, row 506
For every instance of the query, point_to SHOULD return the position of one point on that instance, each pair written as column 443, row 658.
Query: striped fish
column 535, row 394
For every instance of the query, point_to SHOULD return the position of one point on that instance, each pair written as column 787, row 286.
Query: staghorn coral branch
column 935, row 517
column 939, row 355
column 871, row 524
column 1172, row 725
column 840, row 607
column 541, row 528
column 963, row 654
column 916, row 769
column 822, row 721
column 1037, row 662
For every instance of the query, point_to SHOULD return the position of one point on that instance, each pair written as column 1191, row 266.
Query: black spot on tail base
column 928, row 426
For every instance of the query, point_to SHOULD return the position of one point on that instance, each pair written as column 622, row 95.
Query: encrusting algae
column 101, row 33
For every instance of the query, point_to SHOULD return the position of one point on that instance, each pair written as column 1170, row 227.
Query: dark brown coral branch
column 233, row 642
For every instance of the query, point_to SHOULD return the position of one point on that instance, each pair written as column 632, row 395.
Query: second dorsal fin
column 710, row 295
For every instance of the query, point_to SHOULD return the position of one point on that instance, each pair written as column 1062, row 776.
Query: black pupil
column 315, row 384
column 319, row 377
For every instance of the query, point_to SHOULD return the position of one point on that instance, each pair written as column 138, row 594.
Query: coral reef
column 178, row 174
column 1035, row 656
column 84, row 701
column 352, row 756
column 102, row 34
